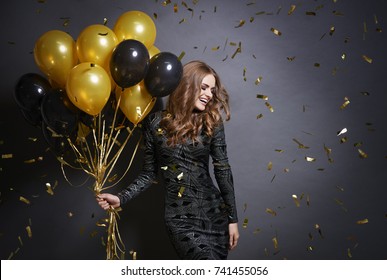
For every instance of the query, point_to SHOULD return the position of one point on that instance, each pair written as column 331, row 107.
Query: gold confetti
column 318, row 228
column 290, row 58
column 29, row 231
column 70, row 214
column 332, row 30
column 337, row 13
column 180, row 176
column 155, row 15
column 259, row 116
column 292, row 8
column 20, row 240
column 272, row 179
column 309, row 248
column 261, row 96
column 175, row 8
column 181, row 21
column 310, row 13
column 33, row 139
column 296, row 201
column 6, row 156
column 349, row 253
column 181, row 55
column 365, row 93
column 317, row 65
column 378, row 29
column 300, row 145
column 244, row 73
column 343, row 140
column 362, row 154
column 257, row 230
column 241, row 23
column 238, row 50
column 245, row 222
column 310, row 159
column 275, row 242
column 279, row 150
column 286, row 170
column 251, row 19
column 367, row 59
column 260, row 13
column 258, row 81
column 134, row 254
column 269, row 106
column 362, row 222
column 343, row 56
column 30, row 161
column 25, row 200
column 49, row 189
column 269, row 166
column 164, row 167
column 215, row 48
column 166, row 2
column 344, row 130
column 345, row 104
column 276, row 31
column 328, row 151
column 271, row 212
column 181, row 191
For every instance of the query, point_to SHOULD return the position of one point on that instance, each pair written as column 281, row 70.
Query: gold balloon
column 95, row 44
column 88, row 87
column 55, row 54
column 136, row 25
column 153, row 51
column 136, row 102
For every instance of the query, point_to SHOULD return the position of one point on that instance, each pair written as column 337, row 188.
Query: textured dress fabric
column 197, row 213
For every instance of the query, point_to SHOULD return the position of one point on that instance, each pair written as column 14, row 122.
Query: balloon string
column 113, row 127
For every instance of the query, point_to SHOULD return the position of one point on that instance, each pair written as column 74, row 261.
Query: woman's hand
column 105, row 200
column 234, row 235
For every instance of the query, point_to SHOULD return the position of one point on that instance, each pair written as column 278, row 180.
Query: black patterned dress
column 197, row 213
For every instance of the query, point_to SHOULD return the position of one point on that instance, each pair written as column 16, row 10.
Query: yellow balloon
column 55, row 54
column 95, row 44
column 136, row 102
column 136, row 25
column 153, row 51
column 88, row 87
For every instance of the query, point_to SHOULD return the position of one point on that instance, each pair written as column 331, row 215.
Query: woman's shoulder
column 154, row 118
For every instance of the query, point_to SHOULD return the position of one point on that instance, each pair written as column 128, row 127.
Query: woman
column 201, row 219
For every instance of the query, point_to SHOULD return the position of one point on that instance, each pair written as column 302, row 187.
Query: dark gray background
column 306, row 100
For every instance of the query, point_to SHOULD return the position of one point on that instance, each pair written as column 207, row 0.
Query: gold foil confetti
column 181, row 55
column 272, row 179
column 332, row 30
column 175, row 8
column 238, row 50
column 275, row 242
column 257, row 230
column 345, row 104
column 328, row 151
column 291, row 10
column 290, row 58
column 310, row 159
column 310, row 13
column 341, row 132
column 180, row 176
column 29, row 231
column 269, row 107
column 215, row 48
column 343, row 140
column 25, row 200
column 365, row 93
column 279, row 10
column 164, row 167
column 133, row 254
column 362, row 154
column 261, row 96
column 378, row 29
column 260, row 13
column 70, row 214
column 259, row 116
column 33, row 139
column 271, row 212
column 286, row 170
column 309, row 248
column 241, row 23
column 279, row 150
column 310, row 236
column 20, row 240
column 316, row 65
column 300, row 145
column 362, row 222
column 244, row 73
column 296, row 201
column 181, row 21
column 245, row 222
column 258, row 81
column 6, row 156
column 181, row 191
column 269, row 166
column 276, row 31
column 166, row 2
column 251, row 19
column 343, row 56
column 367, row 59
column 349, row 253
column 318, row 228
column 30, row 161
column 49, row 189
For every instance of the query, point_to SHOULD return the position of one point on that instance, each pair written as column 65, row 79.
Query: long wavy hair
column 183, row 121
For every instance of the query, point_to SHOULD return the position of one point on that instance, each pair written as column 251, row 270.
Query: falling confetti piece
column 286, row 170
column 349, row 253
column 70, row 214
column 318, row 228
column 269, row 106
column 279, row 150
column 362, row 222
column 175, row 8
column 49, row 190
column 6, row 156
column 25, row 200
column 362, row 154
column 300, row 145
column 29, row 231
column 345, row 104
column 310, row 159
column 20, row 240
column 276, row 31
column 292, row 8
column 167, row 2
column 164, row 167
column 259, row 116
column 181, row 191
column 296, row 201
column 134, row 254
column 307, row 200
column 367, row 59
column 269, row 166
column 238, row 50
column 343, row 56
column 317, row 65
column 261, row 96
column 181, row 56
column 241, row 23
column 344, row 130
column 245, row 222
column 30, row 161
column 290, row 58
column 310, row 13
column 271, row 212
column 275, row 242
column 257, row 230
column 258, row 81
column 180, row 176
column 343, row 140
column 272, row 179
column 332, row 30
column 215, row 48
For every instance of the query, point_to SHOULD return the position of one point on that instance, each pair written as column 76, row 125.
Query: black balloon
column 164, row 74
column 33, row 117
column 59, row 113
column 129, row 63
column 29, row 91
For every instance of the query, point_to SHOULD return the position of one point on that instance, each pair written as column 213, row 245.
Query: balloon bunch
column 92, row 86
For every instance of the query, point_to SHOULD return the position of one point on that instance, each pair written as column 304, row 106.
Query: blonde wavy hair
column 183, row 121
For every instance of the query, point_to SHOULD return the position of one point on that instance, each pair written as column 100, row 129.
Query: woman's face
column 207, row 88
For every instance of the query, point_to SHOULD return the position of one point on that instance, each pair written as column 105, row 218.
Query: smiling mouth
column 204, row 101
